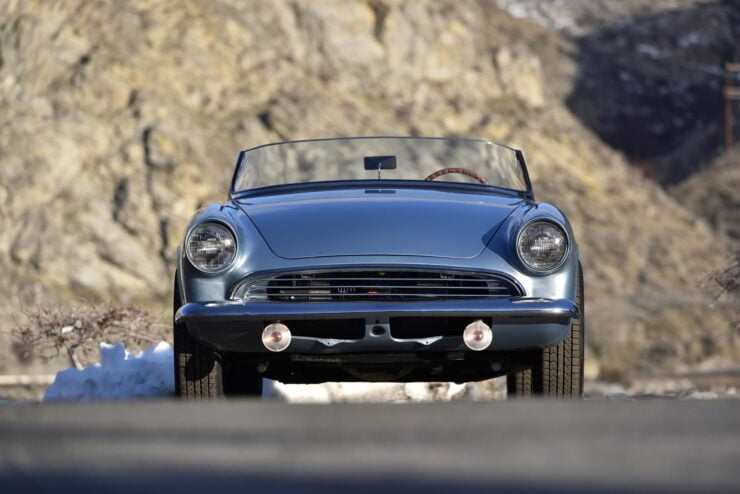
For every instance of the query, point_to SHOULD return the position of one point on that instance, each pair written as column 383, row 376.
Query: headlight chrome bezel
column 220, row 225
column 517, row 244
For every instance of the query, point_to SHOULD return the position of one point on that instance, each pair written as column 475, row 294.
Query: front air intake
column 380, row 285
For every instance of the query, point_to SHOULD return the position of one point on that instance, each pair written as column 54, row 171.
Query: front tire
column 557, row 371
column 198, row 374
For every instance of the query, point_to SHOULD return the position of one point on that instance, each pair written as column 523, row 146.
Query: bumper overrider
column 517, row 324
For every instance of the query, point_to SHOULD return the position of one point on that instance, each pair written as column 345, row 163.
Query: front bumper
column 518, row 324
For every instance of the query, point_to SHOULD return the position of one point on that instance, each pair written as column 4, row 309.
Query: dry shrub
column 78, row 332
column 728, row 279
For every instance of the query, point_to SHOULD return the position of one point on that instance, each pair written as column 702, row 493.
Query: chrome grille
column 336, row 286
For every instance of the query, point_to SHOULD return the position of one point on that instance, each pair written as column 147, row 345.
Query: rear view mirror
column 380, row 162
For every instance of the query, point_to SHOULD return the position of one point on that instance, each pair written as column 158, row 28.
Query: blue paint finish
column 496, row 249
column 351, row 222
column 350, row 225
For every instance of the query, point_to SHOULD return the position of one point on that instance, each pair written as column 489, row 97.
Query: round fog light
column 478, row 335
column 276, row 337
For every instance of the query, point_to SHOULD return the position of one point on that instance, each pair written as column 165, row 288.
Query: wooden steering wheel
column 463, row 171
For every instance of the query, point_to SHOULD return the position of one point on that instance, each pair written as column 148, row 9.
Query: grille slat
column 390, row 285
column 437, row 287
column 380, row 295
column 331, row 280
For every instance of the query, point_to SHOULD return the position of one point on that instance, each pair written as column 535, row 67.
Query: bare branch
column 78, row 332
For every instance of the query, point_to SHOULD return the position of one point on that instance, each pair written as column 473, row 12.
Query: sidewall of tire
column 198, row 373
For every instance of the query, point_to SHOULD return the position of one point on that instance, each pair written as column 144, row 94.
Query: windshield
column 384, row 158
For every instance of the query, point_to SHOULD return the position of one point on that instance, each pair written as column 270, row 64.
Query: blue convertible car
column 379, row 259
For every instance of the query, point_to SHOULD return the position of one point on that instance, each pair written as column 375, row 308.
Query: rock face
column 119, row 119
column 659, row 97
column 714, row 194
column 650, row 74
column 580, row 17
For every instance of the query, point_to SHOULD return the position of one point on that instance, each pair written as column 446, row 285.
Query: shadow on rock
column 651, row 87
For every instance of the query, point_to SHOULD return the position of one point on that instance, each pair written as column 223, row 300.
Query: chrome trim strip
column 542, row 309
column 258, row 284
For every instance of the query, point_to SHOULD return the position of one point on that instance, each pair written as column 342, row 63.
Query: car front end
column 386, row 279
column 351, row 317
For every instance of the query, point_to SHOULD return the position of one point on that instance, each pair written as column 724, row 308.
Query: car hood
column 359, row 222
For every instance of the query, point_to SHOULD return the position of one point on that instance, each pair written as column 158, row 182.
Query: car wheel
column 198, row 373
column 557, row 371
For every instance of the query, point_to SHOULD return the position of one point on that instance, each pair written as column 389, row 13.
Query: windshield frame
column 241, row 162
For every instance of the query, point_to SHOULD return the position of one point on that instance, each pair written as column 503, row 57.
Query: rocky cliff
column 650, row 75
column 119, row 119
column 714, row 194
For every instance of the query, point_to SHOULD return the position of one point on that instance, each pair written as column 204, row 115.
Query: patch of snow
column 692, row 39
column 649, row 50
column 456, row 391
column 365, row 391
column 554, row 14
column 301, row 393
column 600, row 388
column 119, row 375
column 416, row 391
column 337, row 392
column 695, row 394
column 619, row 397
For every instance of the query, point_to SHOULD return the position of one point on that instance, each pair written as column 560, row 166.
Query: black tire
column 519, row 385
column 557, row 371
column 198, row 373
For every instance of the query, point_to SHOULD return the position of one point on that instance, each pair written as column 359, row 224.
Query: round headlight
column 211, row 247
column 542, row 246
